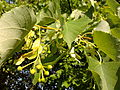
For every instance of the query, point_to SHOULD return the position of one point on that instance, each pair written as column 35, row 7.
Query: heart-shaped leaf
column 108, row 44
column 74, row 28
column 14, row 25
column 105, row 41
column 107, row 72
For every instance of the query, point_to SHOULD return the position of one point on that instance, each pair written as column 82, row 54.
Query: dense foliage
column 60, row 44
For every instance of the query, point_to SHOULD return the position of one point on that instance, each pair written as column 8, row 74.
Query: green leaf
column 113, row 20
column 43, row 18
column 51, row 60
column 113, row 5
column 74, row 28
column 14, row 25
column 54, row 8
column 97, row 79
column 59, row 72
column 36, row 77
column 50, row 14
column 66, row 84
column 107, row 72
column 116, row 32
column 51, row 33
column 105, row 41
column 108, row 44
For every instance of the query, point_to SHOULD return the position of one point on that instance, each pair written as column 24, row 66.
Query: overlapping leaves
column 107, row 41
column 14, row 25
column 107, row 72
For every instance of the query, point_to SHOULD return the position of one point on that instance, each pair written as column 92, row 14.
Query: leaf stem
column 28, row 64
column 47, row 27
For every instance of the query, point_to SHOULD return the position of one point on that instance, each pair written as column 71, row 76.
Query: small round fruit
column 39, row 66
column 49, row 51
column 42, row 79
column 39, row 80
column 19, row 68
column 43, row 40
column 46, row 73
column 43, row 51
column 45, row 48
column 32, row 71
column 49, row 66
column 43, row 31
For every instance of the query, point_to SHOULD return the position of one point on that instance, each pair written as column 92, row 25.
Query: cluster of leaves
column 6, row 5
column 69, row 49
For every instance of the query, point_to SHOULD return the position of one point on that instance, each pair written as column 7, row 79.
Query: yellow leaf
column 34, row 55
column 40, row 49
column 30, row 55
column 20, row 60
column 36, row 44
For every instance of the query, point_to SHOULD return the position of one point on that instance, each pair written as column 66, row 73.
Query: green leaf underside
column 14, row 25
column 74, row 28
column 107, row 72
column 103, row 26
column 108, row 44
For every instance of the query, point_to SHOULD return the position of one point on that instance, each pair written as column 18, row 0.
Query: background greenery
column 82, row 45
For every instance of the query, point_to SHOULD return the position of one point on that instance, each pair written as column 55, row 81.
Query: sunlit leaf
column 20, row 60
column 66, row 84
column 37, row 46
column 74, row 28
column 105, row 41
column 30, row 55
column 108, row 44
column 107, row 72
